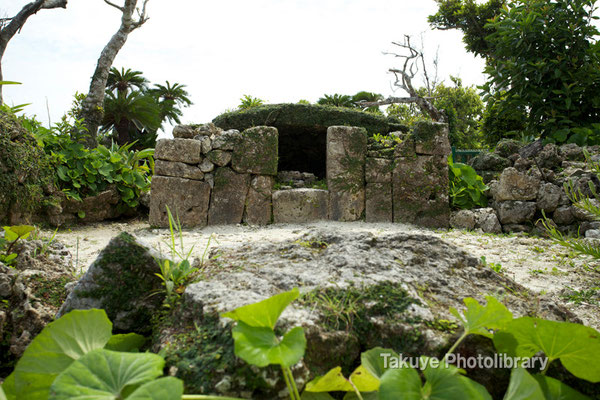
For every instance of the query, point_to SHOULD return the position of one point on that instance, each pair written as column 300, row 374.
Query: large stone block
column 420, row 191
column 183, row 150
column 378, row 170
column 228, row 197
column 257, row 151
column 515, row 212
column 515, row 185
column 379, row 202
column 431, row 138
column 219, row 157
column 178, row 170
column 188, row 199
column 346, row 151
column 299, row 205
column 258, row 205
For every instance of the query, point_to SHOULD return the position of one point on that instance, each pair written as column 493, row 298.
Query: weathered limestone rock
column 515, row 212
column 184, row 132
column 178, row 170
column 486, row 161
column 548, row 197
column 431, row 138
column 258, row 206
column 209, row 129
column 584, row 215
column 299, row 205
column 206, row 166
column 256, row 151
column 514, row 185
column 93, row 209
column 228, row 197
column 420, row 191
column 379, row 202
column 205, row 141
column 571, row 152
column 378, row 170
column 550, row 157
column 480, row 218
column 226, row 140
column 563, row 215
column 186, row 198
column 219, row 157
column 121, row 282
column 346, row 150
column 182, row 150
column 507, row 147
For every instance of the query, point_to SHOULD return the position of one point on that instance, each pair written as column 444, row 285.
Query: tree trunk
column 91, row 109
column 16, row 23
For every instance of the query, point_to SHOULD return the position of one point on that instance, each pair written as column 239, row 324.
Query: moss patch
column 50, row 291
column 26, row 174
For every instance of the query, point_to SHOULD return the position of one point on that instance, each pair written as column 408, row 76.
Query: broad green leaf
column 446, row 382
column 8, row 387
column 400, row 384
column 556, row 390
column 168, row 388
column 130, row 342
column 364, row 380
column 59, row 344
column 315, row 396
column 522, row 386
column 374, row 360
column 478, row 319
column 332, row 381
column 264, row 313
column 2, row 395
column 259, row 346
column 365, row 396
column 103, row 374
column 577, row 346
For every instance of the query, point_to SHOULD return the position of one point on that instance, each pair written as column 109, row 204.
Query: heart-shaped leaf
column 103, row 374
column 259, row 346
column 332, row 381
column 264, row 313
column 556, row 390
column 400, row 384
column 8, row 387
column 478, row 319
column 168, row 388
column 577, row 346
column 523, row 386
column 374, row 360
column 59, row 344
column 130, row 342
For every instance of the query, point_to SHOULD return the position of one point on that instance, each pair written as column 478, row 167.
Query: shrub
column 467, row 189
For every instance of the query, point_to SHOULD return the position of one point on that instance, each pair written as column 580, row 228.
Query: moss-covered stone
column 121, row 281
column 26, row 174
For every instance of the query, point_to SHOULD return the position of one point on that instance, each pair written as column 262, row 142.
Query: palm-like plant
column 127, row 115
column 125, row 81
column 337, row 100
column 170, row 99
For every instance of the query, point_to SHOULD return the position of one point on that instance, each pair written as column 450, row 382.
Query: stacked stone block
column 209, row 176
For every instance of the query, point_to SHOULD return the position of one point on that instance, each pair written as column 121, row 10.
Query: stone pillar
column 420, row 177
column 256, row 152
column 228, row 197
column 346, row 151
column 378, row 175
column 258, row 204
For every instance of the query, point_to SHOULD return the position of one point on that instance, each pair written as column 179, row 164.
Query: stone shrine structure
column 209, row 176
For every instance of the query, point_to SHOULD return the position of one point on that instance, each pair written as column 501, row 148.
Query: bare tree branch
column 110, row 3
column 11, row 26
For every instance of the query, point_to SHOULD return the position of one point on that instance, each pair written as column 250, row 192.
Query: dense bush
column 467, row 189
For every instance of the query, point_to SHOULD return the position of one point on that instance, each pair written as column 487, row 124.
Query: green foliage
column 176, row 275
column 461, row 105
column 336, row 100
column 12, row 234
column 469, row 16
column 255, row 340
column 84, row 172
column 544, row 59
column 502, row 122
column 467, row 189
column 248, row 101
column 134, row 112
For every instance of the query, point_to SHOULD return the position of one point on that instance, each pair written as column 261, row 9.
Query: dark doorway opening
column 303, row 149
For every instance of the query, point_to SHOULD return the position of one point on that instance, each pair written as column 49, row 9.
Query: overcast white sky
column 280, row 51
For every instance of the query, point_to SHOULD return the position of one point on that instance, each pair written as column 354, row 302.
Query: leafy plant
column 175, row 275
column 256, row 342
column 12, row 234
column 248, row 101
column 467, row 189
column 496, row 267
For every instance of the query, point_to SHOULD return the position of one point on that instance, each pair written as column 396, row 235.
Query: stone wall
column 522, row 188
column 207, row 175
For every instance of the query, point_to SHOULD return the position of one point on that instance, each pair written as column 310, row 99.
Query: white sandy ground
column 538, row 264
